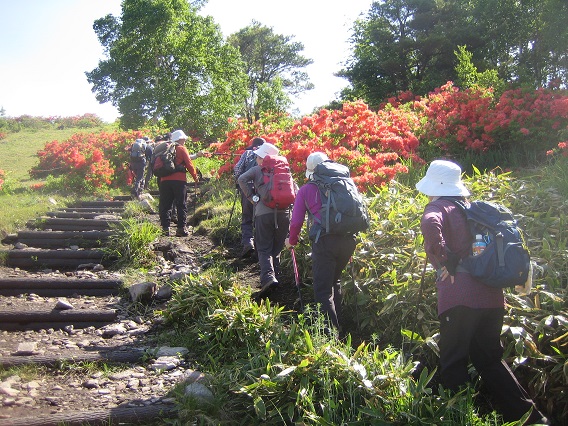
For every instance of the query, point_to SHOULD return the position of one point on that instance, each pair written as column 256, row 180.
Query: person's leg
column 138, row 169
column 280, row 235
column 344, row 246
column 456, row 330
column 247, row 216
column 180, row 195
column 264, row 241
column 165, row 203
column 323, row 272
column 487, row 358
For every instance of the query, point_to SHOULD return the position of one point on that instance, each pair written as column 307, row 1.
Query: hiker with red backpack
column 272, row 193
column 329, row 187
column 470, row 311
column 245, row 163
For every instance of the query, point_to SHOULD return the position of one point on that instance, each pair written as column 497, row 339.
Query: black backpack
column 342, row 208
column 163, row 160
column 505, row 261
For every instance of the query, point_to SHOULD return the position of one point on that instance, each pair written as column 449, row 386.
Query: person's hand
column 287, row 244
column 445, row 274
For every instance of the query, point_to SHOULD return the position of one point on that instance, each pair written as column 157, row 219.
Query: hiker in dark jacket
column 470, row 312
column 330, row 254
column 245, row 163
column 270, row 229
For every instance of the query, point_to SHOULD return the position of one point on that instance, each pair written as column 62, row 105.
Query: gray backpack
column 343, row 210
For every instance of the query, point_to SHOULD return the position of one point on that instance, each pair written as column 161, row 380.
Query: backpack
column 163, row 160
column 505, row 261
column 138, row 150
column 278, row 190
column 342, row 208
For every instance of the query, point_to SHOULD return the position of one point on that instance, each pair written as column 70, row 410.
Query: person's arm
column 435, row 244
column 246, row 177
column 186, row 161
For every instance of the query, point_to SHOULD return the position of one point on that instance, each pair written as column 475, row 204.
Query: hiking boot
column 181, row 232
column 268, row 285
column 247, row 251
column 165, row 232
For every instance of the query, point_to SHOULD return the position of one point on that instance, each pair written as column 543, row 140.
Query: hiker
column 245, row 163
column 173, row 189
column 270, row 225
column 137, row 165
column 470, row 312
column 330, row 252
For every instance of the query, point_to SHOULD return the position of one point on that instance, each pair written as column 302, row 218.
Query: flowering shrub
column 372, row 144
column 87, row 161
column 2, row 176
column 449, row 121
column 3, row 135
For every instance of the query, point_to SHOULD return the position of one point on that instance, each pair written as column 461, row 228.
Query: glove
column 451, row 262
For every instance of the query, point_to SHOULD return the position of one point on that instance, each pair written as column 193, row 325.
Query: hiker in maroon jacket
column 470, row 312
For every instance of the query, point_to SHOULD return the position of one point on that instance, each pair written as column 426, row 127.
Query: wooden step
column 30, row 258
column 61, row 287
column 99, row 204
column 12, row 320
column 64, row 224
column 80, row 215
column 62, row 239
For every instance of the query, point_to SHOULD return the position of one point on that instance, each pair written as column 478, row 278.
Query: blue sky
column 47, row 45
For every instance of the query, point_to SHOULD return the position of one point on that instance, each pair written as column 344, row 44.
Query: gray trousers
column 330, row 255
column 247, row 216
column 269, row 242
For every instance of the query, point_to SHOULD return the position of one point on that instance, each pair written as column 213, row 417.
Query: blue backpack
column 505, row 262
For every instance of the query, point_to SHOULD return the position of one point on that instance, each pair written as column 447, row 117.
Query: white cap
column 266, row 149
column 443, row 178
column 177, row 135
column 313, row 160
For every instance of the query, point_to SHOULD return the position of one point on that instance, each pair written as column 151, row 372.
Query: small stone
column 91, row 384
column 26, row 349
column 63, row 305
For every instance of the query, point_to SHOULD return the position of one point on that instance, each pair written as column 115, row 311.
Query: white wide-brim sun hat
column 443, row 179
column 266, row 149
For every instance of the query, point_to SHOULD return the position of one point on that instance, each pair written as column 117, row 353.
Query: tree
column 408, row 44
column 167, row 63
column 274, row 67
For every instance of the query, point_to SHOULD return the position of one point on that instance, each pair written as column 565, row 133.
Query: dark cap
column 256, row 142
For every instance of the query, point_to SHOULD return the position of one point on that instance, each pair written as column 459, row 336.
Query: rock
column 98, row 268
column 164, row 292
column 26, row 349
column 200, row 392
column 172, row 351
column 20, row 246
column 63, row 305
column 113, row 330
column 165, row 363
column 52, row 201
column 192, row 376
column 91, row 384
column 142, row 291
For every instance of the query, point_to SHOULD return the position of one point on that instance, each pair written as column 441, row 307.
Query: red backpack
column 279, row 189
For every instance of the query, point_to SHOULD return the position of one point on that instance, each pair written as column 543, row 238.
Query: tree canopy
column 167, row 63
column 274, row 66
column 409, row 44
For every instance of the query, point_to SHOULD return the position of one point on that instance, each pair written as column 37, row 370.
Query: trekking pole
column 230, row 217
column 420, row 294
column 297, row 277
column 355, row 289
